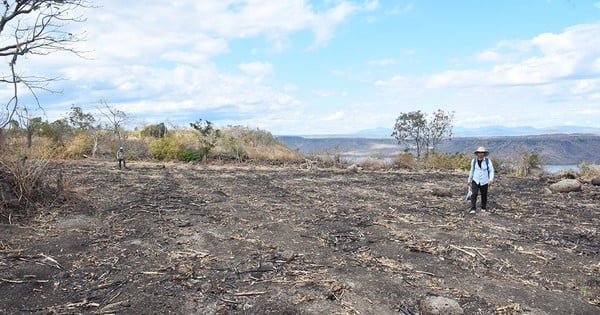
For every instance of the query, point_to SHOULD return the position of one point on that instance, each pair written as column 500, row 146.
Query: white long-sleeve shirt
column 479, row 174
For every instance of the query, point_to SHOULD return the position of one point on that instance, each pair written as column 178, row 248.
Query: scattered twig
column 464, row 251
column 152, row 273
column 53, row 261
column 425, row 273
column 521, row 250
column 109, row 308
column 23, row 281
column 477, row 250
column 249, row 293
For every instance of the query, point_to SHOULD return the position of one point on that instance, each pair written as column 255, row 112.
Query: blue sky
column 332, row 66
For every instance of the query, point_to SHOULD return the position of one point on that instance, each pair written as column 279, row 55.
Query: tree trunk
column 29, row 138
column 95, row 146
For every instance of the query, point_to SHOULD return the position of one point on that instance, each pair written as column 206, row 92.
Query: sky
column 299, row 67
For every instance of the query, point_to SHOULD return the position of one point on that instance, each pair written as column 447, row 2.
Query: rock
column 547, row 191
column 596, row 181
column 438, row 305
column 566, row 185
column 288, row 255
column 354, row 168
column 441, row 192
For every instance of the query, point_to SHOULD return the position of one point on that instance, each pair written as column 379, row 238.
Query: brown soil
column 192, row 239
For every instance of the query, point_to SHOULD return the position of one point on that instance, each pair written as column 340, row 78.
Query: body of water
column 559, row 168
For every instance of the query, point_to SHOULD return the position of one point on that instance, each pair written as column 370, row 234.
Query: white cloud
column 382, row 62
column 559, row 71
column 257, row 70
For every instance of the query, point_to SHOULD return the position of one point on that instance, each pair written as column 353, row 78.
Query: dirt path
column 189, row 239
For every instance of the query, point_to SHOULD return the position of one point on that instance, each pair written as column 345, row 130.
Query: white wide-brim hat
column 482, row 149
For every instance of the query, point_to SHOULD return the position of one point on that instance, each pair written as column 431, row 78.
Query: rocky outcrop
column 596, row 181
column 566, row 185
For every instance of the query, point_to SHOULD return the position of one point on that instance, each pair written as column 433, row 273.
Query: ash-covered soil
column 198, row 239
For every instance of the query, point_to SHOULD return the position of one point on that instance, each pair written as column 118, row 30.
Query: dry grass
column 28, row 182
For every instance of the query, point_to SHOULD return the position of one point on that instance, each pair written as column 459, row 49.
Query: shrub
column 405, row 161
column 232, row 147
column 80, row 145
column 588, row 171
column 167, row 148
column 29, row 181
column 448, row 161
column 375, row 164
column 528, row 163
column 191, row 155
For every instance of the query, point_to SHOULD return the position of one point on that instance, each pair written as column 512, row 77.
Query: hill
column 553, row 148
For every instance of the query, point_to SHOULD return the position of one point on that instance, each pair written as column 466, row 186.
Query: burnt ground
column 197, row 239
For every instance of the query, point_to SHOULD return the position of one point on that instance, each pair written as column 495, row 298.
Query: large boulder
column 566, row 185
column 438, row 305
column 596, row 181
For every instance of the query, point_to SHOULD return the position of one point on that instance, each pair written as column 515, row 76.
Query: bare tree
column 425, row 133
column 115, row 117
column 33, row 27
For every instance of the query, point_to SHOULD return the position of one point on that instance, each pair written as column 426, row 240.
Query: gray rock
column 288, row 255
column 438, row 305
column 596, row 181
column 566, row 185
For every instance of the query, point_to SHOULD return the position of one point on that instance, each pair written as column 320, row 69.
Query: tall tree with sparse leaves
column 422, row 130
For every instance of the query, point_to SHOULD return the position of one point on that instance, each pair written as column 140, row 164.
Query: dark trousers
column 475, row 188
column 122, row 161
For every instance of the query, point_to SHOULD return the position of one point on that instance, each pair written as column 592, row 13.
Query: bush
column 29, row 182
column 80, row 145
column 448, row 161
column 165, row 149
column 588, row 171
column 191, row 155
column 405, row 161
column 528, row 163
column 232, row 147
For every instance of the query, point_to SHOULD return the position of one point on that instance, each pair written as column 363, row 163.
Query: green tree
column 56, row 131
column 422, row 130
column 79, row 120
column 209, row 136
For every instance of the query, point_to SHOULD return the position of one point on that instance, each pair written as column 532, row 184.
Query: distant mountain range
column 554, row 148
column 488, row 131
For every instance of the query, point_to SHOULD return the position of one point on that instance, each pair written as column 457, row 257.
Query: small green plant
column 190, row 155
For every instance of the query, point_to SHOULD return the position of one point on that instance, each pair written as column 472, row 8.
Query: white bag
column 469, row 194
